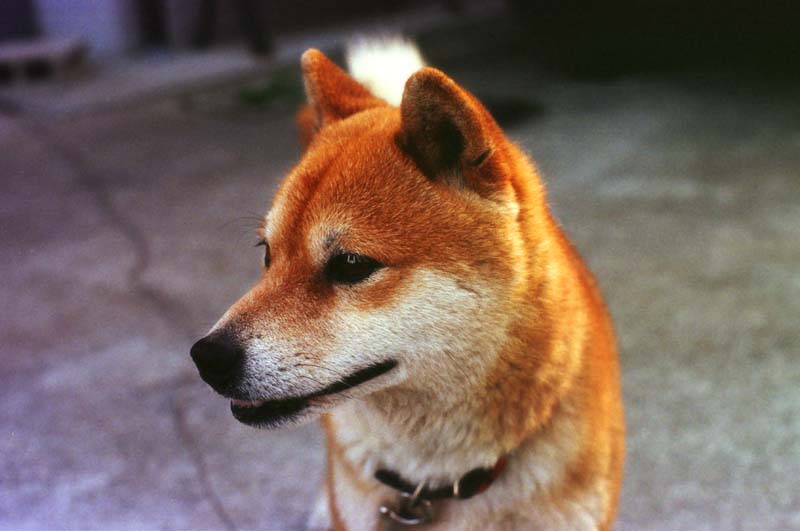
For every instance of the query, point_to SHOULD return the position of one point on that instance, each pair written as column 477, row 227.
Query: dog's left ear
column 332, row 94
column 449, row 134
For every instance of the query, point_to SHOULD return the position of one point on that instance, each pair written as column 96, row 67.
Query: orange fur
column 435, row 188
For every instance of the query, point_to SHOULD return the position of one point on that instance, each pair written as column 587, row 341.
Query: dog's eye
column 349, row 268
column 265, row 245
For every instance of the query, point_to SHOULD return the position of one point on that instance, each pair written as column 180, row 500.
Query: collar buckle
column 409, row 510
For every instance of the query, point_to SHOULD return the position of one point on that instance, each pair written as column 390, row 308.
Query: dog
column 419, row 296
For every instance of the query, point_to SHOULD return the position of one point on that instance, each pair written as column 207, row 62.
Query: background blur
column 140, row 139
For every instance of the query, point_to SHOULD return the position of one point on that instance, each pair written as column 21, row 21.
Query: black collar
column 473, row 482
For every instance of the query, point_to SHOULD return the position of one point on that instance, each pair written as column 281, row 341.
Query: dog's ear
column 332, row 94
column 448, row 133
column 306, row 125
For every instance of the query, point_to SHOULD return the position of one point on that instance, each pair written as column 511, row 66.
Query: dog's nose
column 218, row 357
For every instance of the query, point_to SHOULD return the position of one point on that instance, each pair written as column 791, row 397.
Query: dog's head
column 392, row 253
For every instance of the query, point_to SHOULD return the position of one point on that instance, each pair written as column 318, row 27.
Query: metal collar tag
column 408, row 510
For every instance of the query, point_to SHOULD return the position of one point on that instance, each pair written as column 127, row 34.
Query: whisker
column 322, row 367
column 312, row 379
column 251, row 221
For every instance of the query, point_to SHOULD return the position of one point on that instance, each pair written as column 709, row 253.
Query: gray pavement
column 125, row 234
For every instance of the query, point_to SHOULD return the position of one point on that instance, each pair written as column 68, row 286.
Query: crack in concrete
column 190, row 445
column 170, row 310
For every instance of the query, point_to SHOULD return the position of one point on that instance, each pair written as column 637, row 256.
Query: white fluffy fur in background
column 383, row 64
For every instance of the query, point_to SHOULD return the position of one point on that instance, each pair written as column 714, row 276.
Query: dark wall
column 614, row 33
column 17, row 19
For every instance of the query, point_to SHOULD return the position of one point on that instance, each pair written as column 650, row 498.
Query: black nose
column 218, row 356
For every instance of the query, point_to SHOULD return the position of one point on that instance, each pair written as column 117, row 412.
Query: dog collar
column 470, row 484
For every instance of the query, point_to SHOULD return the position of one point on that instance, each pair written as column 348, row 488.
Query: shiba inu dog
column 419, row 296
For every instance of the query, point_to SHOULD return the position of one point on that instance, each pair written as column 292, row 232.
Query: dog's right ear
column 332, row 94
column 449, row 134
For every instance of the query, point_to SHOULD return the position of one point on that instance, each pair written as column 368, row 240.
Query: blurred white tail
column 384, row 64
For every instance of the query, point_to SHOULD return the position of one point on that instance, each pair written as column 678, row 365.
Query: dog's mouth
column 271, row 413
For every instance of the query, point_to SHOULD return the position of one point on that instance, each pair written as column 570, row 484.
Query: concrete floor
column 126, row 234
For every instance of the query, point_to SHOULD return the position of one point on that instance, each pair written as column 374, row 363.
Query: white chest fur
column 519, row 499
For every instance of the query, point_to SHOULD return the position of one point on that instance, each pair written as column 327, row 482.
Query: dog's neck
column 439, row 434
column 415, row 435
column 424, row 435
